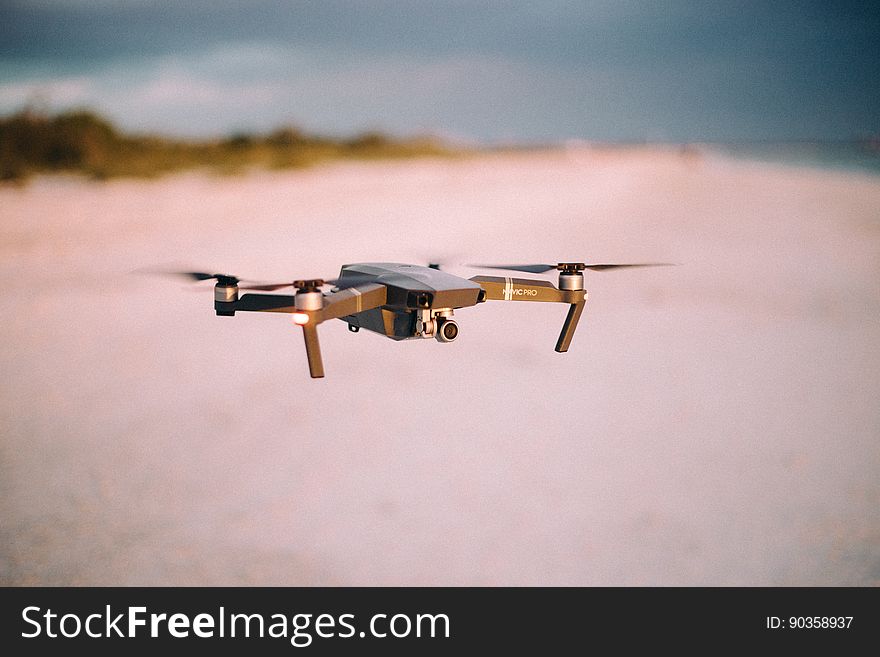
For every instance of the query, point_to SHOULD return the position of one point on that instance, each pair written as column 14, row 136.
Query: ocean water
column 857, row 155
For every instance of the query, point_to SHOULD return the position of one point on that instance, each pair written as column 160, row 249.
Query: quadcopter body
column 401, row 301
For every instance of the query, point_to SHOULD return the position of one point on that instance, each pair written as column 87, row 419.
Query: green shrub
column 83, row 142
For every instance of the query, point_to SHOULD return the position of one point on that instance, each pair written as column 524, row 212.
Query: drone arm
column 518, row 289
column 351, row 301
column 272, row 303
column 313, row 351
column 571, row 321
column 339, row 304
column 523, row 289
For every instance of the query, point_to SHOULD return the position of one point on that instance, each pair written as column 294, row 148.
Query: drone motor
column 309, row 295
column 571, row 275
column 225, row 295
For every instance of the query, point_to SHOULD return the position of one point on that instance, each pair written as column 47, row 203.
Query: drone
column 402, row 301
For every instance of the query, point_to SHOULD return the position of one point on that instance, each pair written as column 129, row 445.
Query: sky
column 491, row 72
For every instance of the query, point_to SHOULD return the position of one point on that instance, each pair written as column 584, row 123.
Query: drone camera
column 447, row 330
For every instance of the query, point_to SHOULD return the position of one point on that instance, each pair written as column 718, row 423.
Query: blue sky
column 487, row 71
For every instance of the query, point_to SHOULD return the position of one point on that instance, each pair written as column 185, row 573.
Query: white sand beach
column 715, row 423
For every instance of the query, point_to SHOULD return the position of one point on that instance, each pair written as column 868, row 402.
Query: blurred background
column 713, row 424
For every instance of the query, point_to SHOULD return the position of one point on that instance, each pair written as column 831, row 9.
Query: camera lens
column 447, row 330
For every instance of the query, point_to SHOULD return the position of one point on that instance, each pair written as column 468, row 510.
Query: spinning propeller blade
column 540, row 268
column 266, row 287
column 202, row 276
column 350, row 280
column 531, row 269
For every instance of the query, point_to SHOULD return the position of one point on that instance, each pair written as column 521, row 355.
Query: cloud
column 475, row 95
column 607, row 73
column 148, row 93
column 182, row 90
column 257, row 86
column 58, row 91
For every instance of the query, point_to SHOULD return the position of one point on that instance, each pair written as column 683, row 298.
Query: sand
column 715, row 423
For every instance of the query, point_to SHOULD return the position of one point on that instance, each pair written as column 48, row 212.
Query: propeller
column 540, row 268
column 431, row 259
column 229, row 279
column 204, row 276
column 226, row 279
